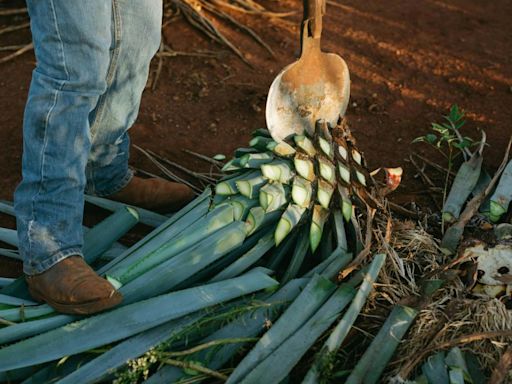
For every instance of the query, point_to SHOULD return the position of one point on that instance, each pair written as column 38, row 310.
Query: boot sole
column 87, row 308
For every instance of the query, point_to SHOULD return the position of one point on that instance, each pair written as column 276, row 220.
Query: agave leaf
column 261, row 132
column 260, row 142
column 245, row 326
column 320, row 216
column 304, row 166
column 149, row 218
column 102, row 236
column 31, row 328
column 280, row 362
column 334, row 268
column 435, row 369
column 248, row 259
column 241, row 206
column 456, row 376
column 356, row 156
column 273, row 196
column 282, row 149
column 228, row 186
column 131, row 348
column 360, row 177
column 56, row 371
column 213, row 221
column 278, row 170
column 23, row 314
column 455, row 360
column 9, row 236
column 10, row 253
column 344, row 172
column 324, row 193
column 256, row 160
column 179, row 222
column 370, row 367
column 341, row 235
column 239, row 152
column 326, row 169
column 258, row 218
column 302, row 191
column 299, row 312
column 15, row 301
column 341, row 331
column 501, row 198
column 282, row 250
column 326, row 147
column 251, row 187
column 330, row 267
column 464, row 183
column 305, row 144
column 232, row 165
column 7, row 207
column 4, row 281
column 176, row 270
column 298, row 256
column 125, row 321
column 288, row 221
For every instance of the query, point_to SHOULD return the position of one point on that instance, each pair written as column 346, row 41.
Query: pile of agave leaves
column 290, row 268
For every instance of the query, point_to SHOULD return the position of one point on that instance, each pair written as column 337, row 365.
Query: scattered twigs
column 421, row 172
column 243, row 27
column 429, row 183
column 168, row 172
column 12, row 47
column 13, row 28
column 168, row 52
column 205, row 158
column 195, row 17
column 370, row 213
column 403, row 211
column 19, row 52
column 252, row 8
column 146, row 173
column 501, row 370
column 10, row 12
column 210, row 344
column 6, row 322
column 159, row 66
column 196, row 367
column 409, row 367
column 435, row 165
column 197, row 175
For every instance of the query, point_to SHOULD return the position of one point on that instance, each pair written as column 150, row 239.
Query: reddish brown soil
column 409, row 62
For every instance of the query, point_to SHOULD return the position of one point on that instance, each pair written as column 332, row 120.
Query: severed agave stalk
column 304, row 178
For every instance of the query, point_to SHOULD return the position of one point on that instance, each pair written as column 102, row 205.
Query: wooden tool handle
column 313, row 11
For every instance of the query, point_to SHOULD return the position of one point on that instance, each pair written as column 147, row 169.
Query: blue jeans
column 92, row 66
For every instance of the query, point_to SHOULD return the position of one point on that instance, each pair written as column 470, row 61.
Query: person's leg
column 72, row 41
column 137, row 40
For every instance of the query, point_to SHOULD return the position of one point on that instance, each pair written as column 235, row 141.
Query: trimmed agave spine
column 289, row 220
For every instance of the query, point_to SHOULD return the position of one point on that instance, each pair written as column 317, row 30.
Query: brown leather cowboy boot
column 72, row 287
column 154, row 194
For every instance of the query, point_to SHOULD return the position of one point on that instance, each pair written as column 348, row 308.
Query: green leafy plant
column 447, row 139
column 447, row 134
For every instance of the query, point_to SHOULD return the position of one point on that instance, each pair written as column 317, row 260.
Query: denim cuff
column 35, row 268
column 114, row 188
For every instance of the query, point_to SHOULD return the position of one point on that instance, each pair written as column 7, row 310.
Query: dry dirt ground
column 409, row 62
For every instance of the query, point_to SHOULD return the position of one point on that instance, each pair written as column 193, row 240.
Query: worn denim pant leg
column 70, row 109
column 137, row 38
